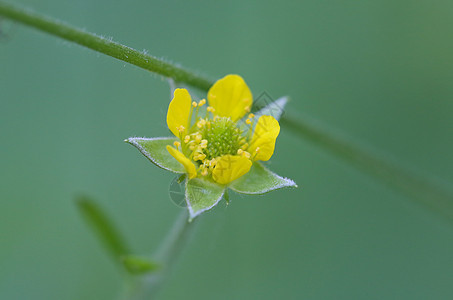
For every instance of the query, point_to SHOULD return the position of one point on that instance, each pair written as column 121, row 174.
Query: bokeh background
column 380, row 71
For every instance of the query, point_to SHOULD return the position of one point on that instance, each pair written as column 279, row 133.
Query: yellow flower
column 213, row 141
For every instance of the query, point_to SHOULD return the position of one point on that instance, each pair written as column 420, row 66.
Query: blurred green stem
column 420, row 189
column 146, row 287
column 416, row 186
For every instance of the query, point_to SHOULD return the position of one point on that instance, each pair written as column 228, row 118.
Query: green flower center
column 223, row 138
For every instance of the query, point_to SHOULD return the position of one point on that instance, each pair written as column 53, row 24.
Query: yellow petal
column 263, row 141
column 230, row 167
column 230, row 97
column 187, row 163
column 179, row 112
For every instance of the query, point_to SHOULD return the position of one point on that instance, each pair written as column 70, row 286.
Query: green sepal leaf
column 274, row 109
column 138, row 265
column 202, row 195
column 155, row 150
column 260, row 180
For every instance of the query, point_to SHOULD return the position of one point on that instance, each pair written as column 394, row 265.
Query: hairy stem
column 417, row 187
column 103, row 45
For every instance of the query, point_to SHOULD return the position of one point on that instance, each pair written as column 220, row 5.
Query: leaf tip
column 129, row 140
column 290, row 183
column 192, row 214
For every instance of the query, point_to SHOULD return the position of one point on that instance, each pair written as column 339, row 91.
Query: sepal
column 260, row 180
column 202, row 195
column 155, row 150
column 274, row 109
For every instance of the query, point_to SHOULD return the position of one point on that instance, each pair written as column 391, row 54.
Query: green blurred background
column 380, row 71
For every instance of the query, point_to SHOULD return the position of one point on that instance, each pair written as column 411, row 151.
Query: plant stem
column 103, row 45
column 421, row 189
column 417, row 187
column 149, row 285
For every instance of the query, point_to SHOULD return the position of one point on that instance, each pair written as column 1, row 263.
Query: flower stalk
column 148, row 286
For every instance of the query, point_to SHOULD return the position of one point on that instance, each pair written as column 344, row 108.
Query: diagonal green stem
column 420, row 189
column 103, row 45
column 417, row 187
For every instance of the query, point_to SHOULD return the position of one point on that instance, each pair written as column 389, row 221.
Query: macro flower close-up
column 286, row 150
column 218, row 144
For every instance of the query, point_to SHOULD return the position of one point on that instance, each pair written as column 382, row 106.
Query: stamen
column 240, row 151
column 186, row 139
column 256, row 152
column 201, row 123
column 202, row 102
column 210, row 109
column 177, row 144
column 204, row 172
column 213, row 162
column 250, row 122
column 204, row 144
column 199, row 156
column 194, row 104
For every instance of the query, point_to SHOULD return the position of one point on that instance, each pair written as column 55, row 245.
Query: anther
column 210, row 109
column 177, row 144
column 248, row 121
column 194, row 104
column 186, row 139
column 181, row 128
column 199, row 156
column 251, row 116
column 201, row 123
column 202, row 102
column 213, row 162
